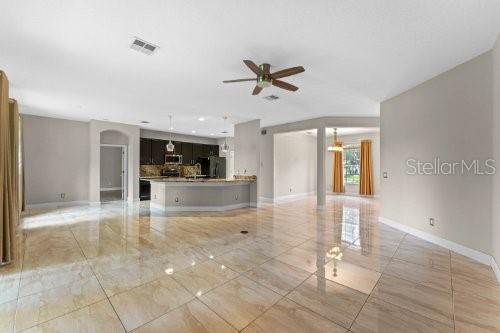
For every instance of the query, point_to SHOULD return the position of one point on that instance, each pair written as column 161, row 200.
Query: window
column 351, row 165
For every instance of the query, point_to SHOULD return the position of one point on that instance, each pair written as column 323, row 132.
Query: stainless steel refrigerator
column 213, row 166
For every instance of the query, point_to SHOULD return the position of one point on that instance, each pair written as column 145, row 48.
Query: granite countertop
column 197, row 180
column 152, row 177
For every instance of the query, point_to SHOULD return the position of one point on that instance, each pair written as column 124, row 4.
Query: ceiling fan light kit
column 265, row 78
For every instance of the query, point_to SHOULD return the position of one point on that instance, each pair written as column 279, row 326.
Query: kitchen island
column 200, row 194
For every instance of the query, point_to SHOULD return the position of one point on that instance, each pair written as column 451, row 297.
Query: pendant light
column 225, row 146
column 337, row 145
column 170, row 145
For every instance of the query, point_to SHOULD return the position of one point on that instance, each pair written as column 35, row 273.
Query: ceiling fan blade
column 287, row 72
column 238, row 80
column 253, row 67
column 284, row 85
column 256, row 90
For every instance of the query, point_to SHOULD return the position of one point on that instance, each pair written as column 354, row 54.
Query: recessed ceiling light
column 171, row 128
column 212, row 134
column 144, row 122
column 201, row 119
column 193, row 131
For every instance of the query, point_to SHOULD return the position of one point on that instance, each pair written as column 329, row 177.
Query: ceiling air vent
column 143, row 46
column 271, row 98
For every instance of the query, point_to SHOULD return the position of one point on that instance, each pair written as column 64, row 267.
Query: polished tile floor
column 120, row 267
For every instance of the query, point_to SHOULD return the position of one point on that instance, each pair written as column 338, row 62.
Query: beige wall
column 356, row 139
column 56, row 155
column 496, row 152
column 294, row 164
column 246, row 148
column 266, row 173
column 111, row 167
column 132, row 133
column 448, row 117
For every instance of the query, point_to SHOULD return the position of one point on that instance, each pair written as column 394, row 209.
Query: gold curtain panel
column 9, row 208
column 365, row 165
column 338, row 170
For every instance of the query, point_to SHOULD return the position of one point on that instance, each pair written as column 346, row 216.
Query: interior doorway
column 113, row 172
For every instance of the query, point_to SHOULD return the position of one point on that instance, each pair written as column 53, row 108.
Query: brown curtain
column 365, row 166
column 338, row 171
column 9, row 211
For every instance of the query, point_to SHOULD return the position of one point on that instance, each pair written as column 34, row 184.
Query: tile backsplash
column 158, row 170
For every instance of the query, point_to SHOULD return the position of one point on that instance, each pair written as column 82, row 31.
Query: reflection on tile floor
column 120, row 267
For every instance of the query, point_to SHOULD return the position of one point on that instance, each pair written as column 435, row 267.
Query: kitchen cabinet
column 205, row 150
column 177, row 147
column 145, row 151
column 214, row 150
column 153, row 151
column 197, row 151
column 158, row 152
column 187, row 153
column 210, row 150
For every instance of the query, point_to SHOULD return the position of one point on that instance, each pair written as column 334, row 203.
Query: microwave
column 175, row 159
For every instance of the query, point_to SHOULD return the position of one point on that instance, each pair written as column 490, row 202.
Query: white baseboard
column 198, row 208
column 495, row 267
column 58, row 204
column 265, row 199
column 104, row 189
column 294, row 196
column 455, row 247
column 352, row 194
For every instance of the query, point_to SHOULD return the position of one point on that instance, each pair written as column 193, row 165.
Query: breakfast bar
column 192, row 194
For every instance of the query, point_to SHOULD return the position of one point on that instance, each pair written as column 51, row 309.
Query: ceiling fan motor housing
column 264, row 79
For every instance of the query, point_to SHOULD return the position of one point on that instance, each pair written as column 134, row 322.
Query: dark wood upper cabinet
column 158, row 152
column 214, row 150
column 145, row 151
column 187, row 153
column 153, row 151
column 177, row 147
column 197, row 151
column 206, row 151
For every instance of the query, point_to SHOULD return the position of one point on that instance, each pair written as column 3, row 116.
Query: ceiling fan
column 265, row 78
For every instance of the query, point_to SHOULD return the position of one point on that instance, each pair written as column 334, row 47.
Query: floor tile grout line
column 452, row 294
column 97, row 278
column 61, row 315
column 273, row 257
column 376, row 283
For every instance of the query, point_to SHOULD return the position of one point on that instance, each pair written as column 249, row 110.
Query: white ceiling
column 71, row 59
column 341, row 131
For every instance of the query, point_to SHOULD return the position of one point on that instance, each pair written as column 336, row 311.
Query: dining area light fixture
column 170, row 146
column 337, row 145
column 225, row 146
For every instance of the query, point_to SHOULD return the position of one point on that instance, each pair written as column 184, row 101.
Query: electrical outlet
column 63, row 195
column 431, row 221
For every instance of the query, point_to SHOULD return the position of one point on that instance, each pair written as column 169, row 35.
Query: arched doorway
column 113, row 166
